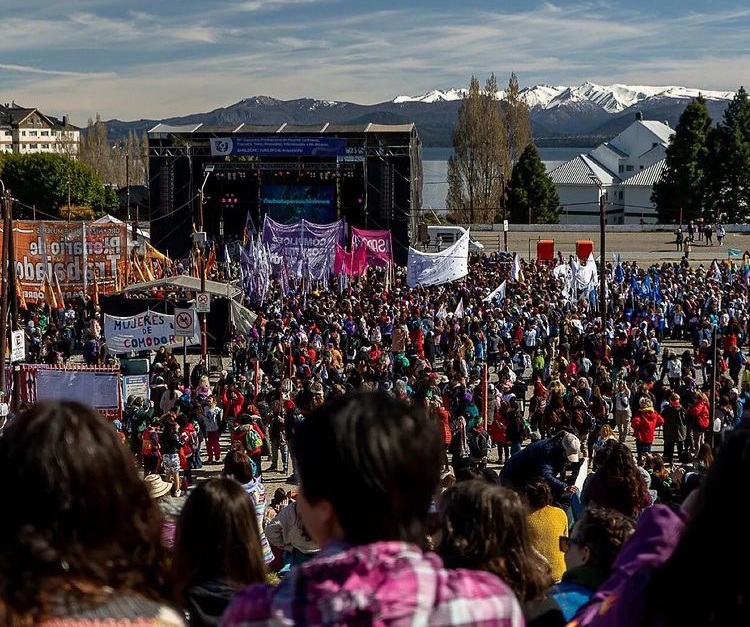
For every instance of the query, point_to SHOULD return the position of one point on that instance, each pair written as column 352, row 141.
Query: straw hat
column 157, row 487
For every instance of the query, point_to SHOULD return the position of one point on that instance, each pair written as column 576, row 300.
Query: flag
column 442, row 312
column 498, row 294
column 19, row 294
column 658, row 296
column 459, row 313
column 516, row 270
column 58, row 293
column 49, row 293
column 716, row 272
column 619, row 273
column 734, row 252
column 95, row 295
column 211, row 261
column 250, row 229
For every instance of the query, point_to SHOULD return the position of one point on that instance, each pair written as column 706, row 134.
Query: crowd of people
column 370, row 398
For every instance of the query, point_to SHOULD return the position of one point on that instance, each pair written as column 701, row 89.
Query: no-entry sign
column 203, row 302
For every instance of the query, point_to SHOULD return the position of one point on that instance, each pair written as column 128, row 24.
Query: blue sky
column 163, row 58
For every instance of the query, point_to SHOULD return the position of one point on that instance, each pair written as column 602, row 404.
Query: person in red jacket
column 232, row 401
column 644, row 423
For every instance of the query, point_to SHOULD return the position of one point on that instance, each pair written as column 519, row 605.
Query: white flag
column 442, row 313
column 516, row 271
column 448, row 265
column 459, row 313
column 498, row 294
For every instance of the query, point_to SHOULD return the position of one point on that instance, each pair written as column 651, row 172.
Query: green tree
column 475, row 168
column 728, row 189
column 53, row 182
column 532, row 196
column 683, row 181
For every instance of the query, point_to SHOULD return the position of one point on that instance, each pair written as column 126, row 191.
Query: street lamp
column 602, row 270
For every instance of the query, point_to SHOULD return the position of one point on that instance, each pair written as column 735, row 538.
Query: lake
column 435, row 166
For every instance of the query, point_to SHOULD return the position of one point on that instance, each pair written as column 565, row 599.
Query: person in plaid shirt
column 369, row 466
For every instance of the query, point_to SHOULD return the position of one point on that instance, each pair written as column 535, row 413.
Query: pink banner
column 377, row 246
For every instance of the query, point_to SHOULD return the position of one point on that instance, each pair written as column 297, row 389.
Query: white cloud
column 220, row 56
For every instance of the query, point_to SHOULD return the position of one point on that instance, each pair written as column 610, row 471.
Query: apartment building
column 27, row 130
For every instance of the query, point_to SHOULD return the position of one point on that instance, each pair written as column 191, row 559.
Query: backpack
column 253, row 441
column 147, row 444
column 479, row 443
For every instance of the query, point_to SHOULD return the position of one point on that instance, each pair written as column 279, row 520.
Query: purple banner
column 304, row 249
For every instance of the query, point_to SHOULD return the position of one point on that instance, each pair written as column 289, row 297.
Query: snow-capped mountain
column 612, row 98
column 595, row 111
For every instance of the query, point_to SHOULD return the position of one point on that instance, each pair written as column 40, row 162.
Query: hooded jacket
column 384, row 583
column 644, row 423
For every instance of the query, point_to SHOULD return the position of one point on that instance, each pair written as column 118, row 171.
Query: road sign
column 184, row 322
column 17, row 346
column 505, row 226
column 203, row 302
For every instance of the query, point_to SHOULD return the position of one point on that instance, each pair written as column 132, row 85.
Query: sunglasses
column 565, row 543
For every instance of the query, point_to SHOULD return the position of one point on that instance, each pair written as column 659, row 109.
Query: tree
column 475, row 168
column 532, row 195
column 96, row 151
column 52, row 182
column 728, row 189
column 682, row 185
column 516, row 133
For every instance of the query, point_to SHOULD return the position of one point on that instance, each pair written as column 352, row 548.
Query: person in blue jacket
column 590, row 551
column 547, row 458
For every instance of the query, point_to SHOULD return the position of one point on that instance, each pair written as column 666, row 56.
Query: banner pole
column 485, row 393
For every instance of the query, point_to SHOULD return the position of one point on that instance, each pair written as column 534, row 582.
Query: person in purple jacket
column 368, row 467
column 684, row 567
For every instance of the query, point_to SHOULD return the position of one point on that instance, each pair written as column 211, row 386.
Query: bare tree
column 516, row 126
column 475, row 168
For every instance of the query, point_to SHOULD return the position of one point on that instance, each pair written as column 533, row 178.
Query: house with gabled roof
column 622, row 171
column 27, row 130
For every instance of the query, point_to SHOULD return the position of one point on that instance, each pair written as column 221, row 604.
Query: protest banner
column 378, row 246
column 73, row 252
column 145, row 331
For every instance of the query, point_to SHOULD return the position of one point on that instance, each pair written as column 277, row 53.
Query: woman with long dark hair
column 217, row 550
column 81, row 535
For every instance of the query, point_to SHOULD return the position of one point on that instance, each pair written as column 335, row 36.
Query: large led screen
column 291, row 203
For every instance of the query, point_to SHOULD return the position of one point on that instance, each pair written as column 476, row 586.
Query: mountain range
column 579, row 115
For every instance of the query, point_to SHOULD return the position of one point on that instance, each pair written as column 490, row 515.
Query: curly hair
column 617, row 482
column 484, row 527
column 603, row 531
column 87, row 523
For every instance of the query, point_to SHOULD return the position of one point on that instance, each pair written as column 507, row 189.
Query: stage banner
column 146, row 331
column 278, row 146
column 70, row 251
column 378, row 243
column 436, row 268
column 304, row 249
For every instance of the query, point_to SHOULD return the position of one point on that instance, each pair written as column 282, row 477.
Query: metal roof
column 661, row 130
column 647, row 177
column 580, row 170
column 324, row 128
column 215, row 288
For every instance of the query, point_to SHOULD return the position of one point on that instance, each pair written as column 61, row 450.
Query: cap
column 572, row 447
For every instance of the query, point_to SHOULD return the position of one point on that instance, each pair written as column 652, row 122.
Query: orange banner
column 70, row 251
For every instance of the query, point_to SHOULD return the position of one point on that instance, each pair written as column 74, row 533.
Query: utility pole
column 68, row 197
column 127, row 186
column 714, row 369
column 4, row 300
column 602, row 270
column 13, row 296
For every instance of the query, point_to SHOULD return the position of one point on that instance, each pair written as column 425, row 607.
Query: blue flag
column 619, row 273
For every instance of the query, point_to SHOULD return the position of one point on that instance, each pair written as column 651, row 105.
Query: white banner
column 435, row 268
column 143, row 332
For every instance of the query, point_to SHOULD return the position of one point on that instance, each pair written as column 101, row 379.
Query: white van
column 443, row 236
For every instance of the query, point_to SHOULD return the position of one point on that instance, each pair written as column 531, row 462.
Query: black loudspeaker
column 424, row 237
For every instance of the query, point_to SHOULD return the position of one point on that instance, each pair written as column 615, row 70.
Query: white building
column 623, row 171
column 25, row 131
